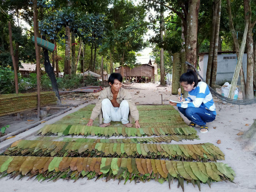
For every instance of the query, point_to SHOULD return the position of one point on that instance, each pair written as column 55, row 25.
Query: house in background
column 144, row 71
column 227, row 62
column 27, row 68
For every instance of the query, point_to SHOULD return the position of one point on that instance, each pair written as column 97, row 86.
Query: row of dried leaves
column 198, row 152
column 63, row 130
column 54, row 168
column 158, row 139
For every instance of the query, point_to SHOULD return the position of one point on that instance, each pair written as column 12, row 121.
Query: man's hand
column 114, row 102
column 173, row 104
column 90, row 123
column 137, row 125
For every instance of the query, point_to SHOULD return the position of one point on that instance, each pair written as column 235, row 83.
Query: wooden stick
column 13, row 59
column 37, row 60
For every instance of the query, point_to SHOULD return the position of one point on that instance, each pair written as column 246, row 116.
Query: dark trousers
column 198, row 116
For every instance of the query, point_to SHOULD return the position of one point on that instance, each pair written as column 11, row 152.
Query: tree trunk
column 192, row 31
column 101, row 69
column 111, row 62
column 50, row 71
column 236, row 44
column 13, row 59
column 53, row 60
column 216, row 47
column 183, row 55
column 57, row 61
column 37, row 58
column 67, row 70
column 220, row 44
column 79, row 53
column 73, row 65
column 95, row 55
column 90, row 66
column 239, row 64
column 17, row 56
column 254, row 69
column 162, row 73
column 211, row 51
column 176, row 73
column 82, row 59
column 249, row 80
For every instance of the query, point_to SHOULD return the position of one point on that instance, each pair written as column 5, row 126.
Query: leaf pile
column 198, row 152
column 13, row 103
column 63, row 130
column 54, row 168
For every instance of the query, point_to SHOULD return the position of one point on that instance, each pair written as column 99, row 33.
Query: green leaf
column 122, row 148
column 66, row 131
column 114, row 166
column 5, row 165
column 200, row 175
column 54, row 163
column 138, row 148
column 161, row 180
column 223, row 169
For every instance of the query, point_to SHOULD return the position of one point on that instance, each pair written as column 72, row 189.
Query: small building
column 139, row 73
column 26, row 69
column 227, row 62
column 91, row 74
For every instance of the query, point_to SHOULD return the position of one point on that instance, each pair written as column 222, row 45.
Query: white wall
column 226, row 66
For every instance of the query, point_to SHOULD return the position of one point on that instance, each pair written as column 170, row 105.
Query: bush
column 46, row 83
column 90, row 80
column 7, row 84
column 70, row 81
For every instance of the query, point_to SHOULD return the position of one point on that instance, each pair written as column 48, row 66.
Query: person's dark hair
column 114, row 76
column 190, row 76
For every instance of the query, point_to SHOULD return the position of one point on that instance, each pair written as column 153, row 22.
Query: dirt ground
column 231, row 122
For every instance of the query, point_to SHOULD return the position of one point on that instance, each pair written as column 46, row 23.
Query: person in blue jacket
column 199, row 106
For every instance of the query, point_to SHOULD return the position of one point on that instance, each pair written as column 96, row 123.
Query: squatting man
column 116, row 104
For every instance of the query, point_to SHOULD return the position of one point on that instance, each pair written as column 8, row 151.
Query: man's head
column 115, row 81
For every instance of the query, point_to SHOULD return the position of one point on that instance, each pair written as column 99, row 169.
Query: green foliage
column 3, row 129
column 125, row 29
column 23, row 47
column 167, row 59
column 91, row 81
column 6, row 80
column 70, row 82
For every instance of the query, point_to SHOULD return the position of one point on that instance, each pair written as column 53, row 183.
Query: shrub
column 7, row 84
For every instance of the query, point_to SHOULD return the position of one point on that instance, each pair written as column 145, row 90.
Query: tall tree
column 236, row 43
column 192, row 27
column 216, row 46
column 250, row 59
column 67, row 70
column 162, row 82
